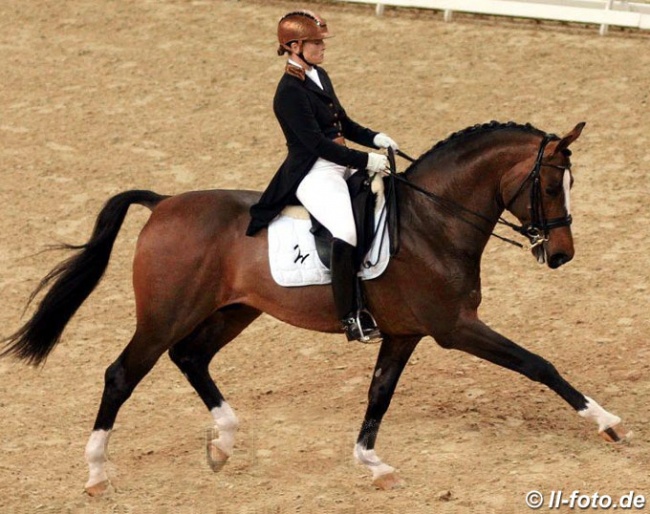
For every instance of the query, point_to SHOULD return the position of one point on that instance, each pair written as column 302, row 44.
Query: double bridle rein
column 537, row 230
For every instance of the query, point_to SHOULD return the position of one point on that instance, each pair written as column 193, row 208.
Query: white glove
column 383, row 141
column 377, row 162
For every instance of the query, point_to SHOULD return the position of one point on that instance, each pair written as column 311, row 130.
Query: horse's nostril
column 558, row 259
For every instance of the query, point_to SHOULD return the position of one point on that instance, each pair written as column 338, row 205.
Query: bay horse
column 199, row 281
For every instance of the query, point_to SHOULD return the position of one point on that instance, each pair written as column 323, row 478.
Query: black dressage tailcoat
column 310, row 118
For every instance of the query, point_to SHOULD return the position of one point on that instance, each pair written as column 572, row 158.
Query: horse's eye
column 554, row 190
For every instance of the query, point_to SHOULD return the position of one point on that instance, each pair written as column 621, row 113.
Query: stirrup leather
column 361, row 326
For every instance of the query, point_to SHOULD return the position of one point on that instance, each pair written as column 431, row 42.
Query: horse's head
column 537, row 193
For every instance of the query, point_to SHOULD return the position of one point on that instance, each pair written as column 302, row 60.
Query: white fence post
column 603, row 27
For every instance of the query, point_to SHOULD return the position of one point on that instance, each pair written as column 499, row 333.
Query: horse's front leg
column 478, row 339
column 393, row 356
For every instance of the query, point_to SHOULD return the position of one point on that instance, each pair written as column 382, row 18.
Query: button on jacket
column 310, row 118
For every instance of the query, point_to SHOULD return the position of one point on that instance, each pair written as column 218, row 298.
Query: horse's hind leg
column 120, row 380
column 478, row 339
column 193, row 355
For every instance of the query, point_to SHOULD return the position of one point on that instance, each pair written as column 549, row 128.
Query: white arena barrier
column 600, row 12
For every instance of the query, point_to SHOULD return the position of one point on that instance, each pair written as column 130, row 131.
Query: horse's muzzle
column 558, row 259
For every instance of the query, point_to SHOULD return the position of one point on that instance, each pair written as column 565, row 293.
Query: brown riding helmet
column 300, row 25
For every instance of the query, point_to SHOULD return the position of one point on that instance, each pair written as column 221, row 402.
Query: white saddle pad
column 293, row 257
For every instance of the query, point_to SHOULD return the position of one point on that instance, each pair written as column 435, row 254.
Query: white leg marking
column 227, row 423
column 369, row 458
column 596, row 413
column 96, row 456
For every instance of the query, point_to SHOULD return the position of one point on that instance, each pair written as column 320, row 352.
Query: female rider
column 318, row 163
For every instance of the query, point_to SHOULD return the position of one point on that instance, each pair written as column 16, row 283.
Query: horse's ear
column 569, row 138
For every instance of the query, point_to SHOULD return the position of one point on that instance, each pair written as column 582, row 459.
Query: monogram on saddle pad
column 299, row 246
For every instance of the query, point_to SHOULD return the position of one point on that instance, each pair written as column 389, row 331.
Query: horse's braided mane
column 477, row 129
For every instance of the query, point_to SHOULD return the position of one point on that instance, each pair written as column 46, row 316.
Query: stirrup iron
column 362, row 327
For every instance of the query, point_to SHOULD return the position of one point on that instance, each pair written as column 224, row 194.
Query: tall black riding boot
column 357, row 321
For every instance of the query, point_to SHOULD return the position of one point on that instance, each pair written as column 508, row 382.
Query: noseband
column 537, row 230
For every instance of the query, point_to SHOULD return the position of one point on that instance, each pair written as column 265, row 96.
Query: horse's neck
column 469, row 209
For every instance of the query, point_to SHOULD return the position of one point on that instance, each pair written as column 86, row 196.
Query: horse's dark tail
column 73, row 281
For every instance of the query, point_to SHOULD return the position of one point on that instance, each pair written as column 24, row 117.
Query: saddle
column 293, row 236
column 363, row 192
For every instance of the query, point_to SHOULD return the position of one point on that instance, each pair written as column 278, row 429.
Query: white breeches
column 324, row 193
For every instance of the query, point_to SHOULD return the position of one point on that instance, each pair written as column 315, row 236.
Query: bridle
column 537, row 230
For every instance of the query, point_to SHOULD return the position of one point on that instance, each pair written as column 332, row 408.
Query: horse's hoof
column 97, row 489
column 387, row 482
column 217, row 458
column 616, row 434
